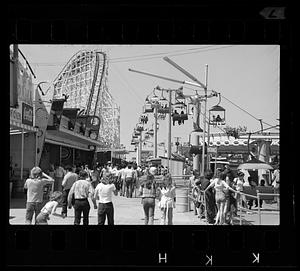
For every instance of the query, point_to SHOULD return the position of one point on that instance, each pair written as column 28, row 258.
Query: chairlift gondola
column 217, row 114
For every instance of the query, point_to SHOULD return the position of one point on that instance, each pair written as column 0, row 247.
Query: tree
column 235, row 131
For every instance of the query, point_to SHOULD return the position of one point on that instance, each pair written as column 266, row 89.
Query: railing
column 182, row 181
column 239, row 207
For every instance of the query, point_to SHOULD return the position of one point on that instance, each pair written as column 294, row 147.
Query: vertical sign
column 27, row 114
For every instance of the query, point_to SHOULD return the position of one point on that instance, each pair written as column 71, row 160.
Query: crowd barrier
column 258, row 196
column 184, row 199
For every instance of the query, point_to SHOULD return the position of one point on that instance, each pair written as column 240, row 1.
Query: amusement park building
column 64, row 122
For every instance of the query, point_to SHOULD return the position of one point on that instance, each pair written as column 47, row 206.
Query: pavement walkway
column 129, row 211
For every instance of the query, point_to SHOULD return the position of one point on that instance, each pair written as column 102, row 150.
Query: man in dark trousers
column 209, row 197
column 82, row 190
column 67, row 183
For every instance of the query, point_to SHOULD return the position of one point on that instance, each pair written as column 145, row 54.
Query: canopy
column 254, row 164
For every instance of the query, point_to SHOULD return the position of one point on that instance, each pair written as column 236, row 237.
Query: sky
column 247, row 76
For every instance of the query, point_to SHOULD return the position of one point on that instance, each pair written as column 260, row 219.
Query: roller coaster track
column 84, row 80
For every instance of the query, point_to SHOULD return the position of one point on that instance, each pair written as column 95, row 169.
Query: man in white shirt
column 122, row 175
column 128, row 181
column 82, row 190
column 104, row 191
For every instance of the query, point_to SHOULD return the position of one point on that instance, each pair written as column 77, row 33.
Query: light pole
column 140, row 149
column 197, row 84
column 204, row 86
column 155, row 131
column 195, row 132
column 204, row 121
column 170, row 120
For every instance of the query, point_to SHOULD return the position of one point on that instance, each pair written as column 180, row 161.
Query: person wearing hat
column 34, row 188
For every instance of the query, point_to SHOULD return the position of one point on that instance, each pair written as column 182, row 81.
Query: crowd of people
column 217, row 196
column 73, row 186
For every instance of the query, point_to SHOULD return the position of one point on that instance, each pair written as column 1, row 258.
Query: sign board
column 27, row 114
column 16, row 114
column 42, row 116
column 24, row 85
column 212, row 149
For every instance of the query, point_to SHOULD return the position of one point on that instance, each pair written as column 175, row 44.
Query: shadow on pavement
column 17, row 204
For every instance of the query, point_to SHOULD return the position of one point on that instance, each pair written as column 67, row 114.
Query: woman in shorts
column 220, row 185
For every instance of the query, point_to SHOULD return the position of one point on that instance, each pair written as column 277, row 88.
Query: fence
column 259, row 196
column 184, row 199
column 253, row 194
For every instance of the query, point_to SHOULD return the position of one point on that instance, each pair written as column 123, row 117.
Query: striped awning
column 16, row 128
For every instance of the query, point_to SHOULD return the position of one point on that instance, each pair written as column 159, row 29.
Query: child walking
column 49, row 208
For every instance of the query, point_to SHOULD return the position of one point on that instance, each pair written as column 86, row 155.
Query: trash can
column 182, row 199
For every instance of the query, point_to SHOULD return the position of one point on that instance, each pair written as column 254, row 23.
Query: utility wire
column 245, row 110
column 132, row 57
column 240, row 109
column 275, row 126
column 163, row 53
column 148, row 56
column 129, row 86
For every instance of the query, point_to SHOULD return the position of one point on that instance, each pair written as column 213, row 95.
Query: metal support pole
column 59, row 154
column 239, row 207
column 204, row 123
column 208, row 155
column 258, row 209
column 140, row 149
column 73, row 160
column 195, row 136
column 22, row 153
column 15, row 74
column 169, row 131
column 36, row 139
column 216, row 161
column 155, row 131
column 208, row 126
